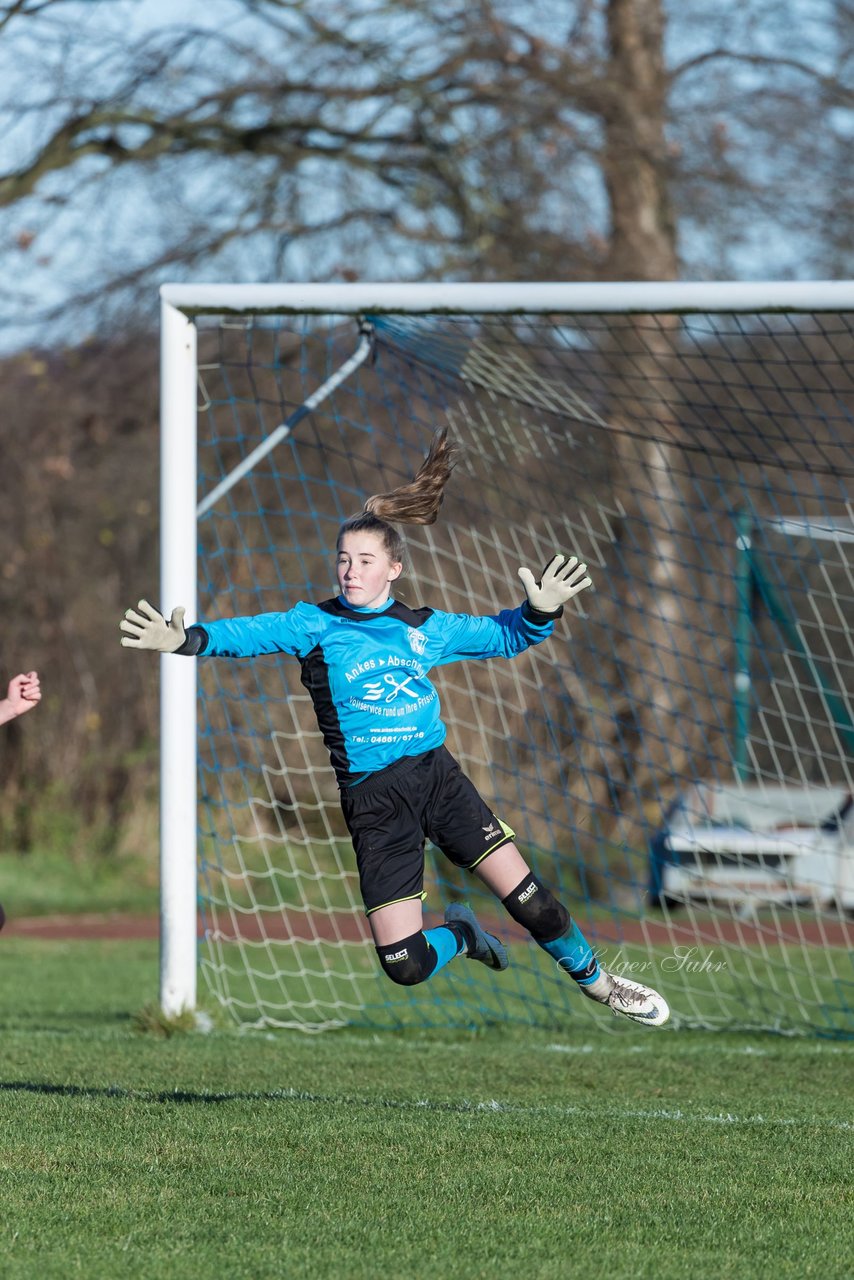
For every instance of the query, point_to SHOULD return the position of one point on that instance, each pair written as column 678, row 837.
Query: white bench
column 751, row 845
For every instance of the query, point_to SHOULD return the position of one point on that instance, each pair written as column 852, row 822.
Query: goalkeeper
column 365, row 659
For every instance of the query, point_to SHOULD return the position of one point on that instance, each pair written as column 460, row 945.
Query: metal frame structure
column 180, row 304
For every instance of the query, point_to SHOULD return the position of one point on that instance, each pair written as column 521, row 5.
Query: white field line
column 792, row 1048
column 788, row 1046
column 462, row 1106
column 495, row 1107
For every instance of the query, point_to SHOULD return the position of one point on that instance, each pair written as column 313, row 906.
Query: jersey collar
column 352, row 608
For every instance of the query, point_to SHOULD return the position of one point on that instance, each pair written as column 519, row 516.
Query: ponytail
column 419, row 501
column 415, row 503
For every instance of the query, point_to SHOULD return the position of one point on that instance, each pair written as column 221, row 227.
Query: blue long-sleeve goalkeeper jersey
column 366, row 670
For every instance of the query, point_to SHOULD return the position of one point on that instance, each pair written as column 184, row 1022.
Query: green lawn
column 47, row 883
column 496, row 1153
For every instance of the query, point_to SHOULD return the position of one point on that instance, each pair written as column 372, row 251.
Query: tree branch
column 751, row 60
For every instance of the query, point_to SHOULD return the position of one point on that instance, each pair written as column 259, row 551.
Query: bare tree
column 463, row 138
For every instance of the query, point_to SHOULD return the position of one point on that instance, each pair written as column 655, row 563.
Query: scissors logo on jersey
column 390, row 686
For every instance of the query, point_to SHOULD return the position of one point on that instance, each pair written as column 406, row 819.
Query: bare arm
column 23, row 694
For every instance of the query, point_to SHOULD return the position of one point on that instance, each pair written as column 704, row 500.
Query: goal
column 695, row 444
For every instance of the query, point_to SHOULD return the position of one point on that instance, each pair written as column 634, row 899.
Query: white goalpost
column 178, row 579
column 660, row 746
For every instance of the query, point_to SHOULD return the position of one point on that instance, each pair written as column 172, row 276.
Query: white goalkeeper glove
column 146, row 628
column 561, row 579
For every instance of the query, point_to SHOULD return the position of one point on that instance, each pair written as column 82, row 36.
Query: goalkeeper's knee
column 409, row 961
column 535, row 909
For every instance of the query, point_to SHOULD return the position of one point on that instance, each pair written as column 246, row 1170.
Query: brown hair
column 415, row 503
column 419, row 501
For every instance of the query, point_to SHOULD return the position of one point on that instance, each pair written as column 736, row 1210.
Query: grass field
column 47, row 882
column 431, row 1154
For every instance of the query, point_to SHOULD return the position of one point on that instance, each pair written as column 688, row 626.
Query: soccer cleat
column 480, row 945
column 638, row 1002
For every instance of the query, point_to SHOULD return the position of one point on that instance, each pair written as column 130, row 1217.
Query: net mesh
column 675, row 761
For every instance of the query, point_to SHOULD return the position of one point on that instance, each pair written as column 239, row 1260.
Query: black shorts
column 392, row 812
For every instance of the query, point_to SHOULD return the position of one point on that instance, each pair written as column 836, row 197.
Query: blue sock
column 574, row 955
column 444, row 943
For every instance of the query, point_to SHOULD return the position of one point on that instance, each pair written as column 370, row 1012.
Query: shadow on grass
column 184, row 1097
column 149, row 1095
column 67, row 1023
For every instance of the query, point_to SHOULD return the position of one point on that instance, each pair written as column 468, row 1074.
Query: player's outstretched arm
column 146, row 628
column 562, row 578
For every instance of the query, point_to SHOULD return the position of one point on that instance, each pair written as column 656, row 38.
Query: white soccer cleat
column 638, row 1002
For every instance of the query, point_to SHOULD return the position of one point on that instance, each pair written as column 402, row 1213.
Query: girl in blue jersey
column 365, row 659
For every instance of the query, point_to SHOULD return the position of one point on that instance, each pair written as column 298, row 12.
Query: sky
column 46, row 251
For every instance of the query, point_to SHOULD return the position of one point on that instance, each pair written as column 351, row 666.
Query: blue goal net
column 676, row 761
